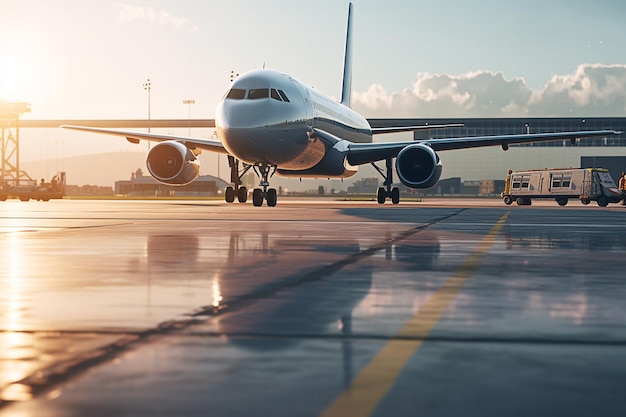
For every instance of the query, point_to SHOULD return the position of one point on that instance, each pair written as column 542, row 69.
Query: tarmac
column 442, row 307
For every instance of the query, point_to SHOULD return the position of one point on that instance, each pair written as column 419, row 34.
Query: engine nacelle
column 173, row 163
column 418, row 166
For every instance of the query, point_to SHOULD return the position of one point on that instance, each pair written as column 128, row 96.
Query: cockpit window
column 257, row 93
column 275, row 94
column 283, row 95
column 236, row 93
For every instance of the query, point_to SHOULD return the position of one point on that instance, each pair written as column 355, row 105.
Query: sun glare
column 12, row 79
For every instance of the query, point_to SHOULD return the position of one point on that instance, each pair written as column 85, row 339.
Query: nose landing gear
column 269, row 194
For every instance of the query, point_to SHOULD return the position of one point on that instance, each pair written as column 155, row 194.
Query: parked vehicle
column 30, row 189
column 562, row 184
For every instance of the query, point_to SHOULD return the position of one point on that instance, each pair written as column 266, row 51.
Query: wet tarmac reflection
column 221, row 308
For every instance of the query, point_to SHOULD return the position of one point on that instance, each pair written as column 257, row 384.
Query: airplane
column 272, row 123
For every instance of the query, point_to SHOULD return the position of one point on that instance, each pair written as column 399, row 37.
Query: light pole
column 189, row 102
column 147, row 86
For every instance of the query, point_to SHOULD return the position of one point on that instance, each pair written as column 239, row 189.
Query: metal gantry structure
column 10, row 113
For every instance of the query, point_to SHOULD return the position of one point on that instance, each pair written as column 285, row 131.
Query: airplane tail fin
column 346, row 88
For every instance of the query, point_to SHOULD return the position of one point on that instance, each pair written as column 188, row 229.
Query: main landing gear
column 387, row 191
column 241, row 193
column 238, row 191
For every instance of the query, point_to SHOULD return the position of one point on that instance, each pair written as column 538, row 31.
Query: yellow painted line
column 376, row 379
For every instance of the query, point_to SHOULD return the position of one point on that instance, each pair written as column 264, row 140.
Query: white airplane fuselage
column 268, row 118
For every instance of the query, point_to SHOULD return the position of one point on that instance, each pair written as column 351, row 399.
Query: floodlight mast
column 189, row 102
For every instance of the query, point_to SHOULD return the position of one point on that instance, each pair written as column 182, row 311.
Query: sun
column 11, row 79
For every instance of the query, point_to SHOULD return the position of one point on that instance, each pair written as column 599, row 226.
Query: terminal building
column 142, row 185
column 493, row 163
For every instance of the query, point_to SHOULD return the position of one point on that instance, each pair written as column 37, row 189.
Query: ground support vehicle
column 44, row 191
column 561, row 184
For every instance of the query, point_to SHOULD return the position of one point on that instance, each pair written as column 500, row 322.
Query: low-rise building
column 142, row 185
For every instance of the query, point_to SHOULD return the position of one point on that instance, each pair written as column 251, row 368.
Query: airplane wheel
column 229, row 195
column 395, row 195
column 381, row 195
column 271, row 197
column 257, row 197
column 242, row 194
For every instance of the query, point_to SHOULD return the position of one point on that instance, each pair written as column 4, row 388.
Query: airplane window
column 275, row 95
column 283, row 95
column 236, row 93
column 257, row 93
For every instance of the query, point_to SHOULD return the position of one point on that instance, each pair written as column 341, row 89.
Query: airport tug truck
column 586, row 184
column 30, row 189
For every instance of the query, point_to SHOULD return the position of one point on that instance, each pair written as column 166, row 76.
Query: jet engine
column 173, row 163
column 418, row 166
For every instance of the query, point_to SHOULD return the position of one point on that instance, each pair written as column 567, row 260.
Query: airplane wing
column 364, row 153
column 135, row 137
column 396, row 129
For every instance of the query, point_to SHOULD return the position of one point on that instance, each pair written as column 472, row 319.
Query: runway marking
column 371, row 385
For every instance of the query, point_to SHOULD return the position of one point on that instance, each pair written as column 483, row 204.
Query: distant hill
column 96, row 169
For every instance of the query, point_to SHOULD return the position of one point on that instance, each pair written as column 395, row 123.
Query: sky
column 73, row 59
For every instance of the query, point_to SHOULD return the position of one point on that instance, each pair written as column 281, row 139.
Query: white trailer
column 586, row 184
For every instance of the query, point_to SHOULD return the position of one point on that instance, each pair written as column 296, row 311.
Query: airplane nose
column 236, row 124
column 253, row 138
column 241, row 115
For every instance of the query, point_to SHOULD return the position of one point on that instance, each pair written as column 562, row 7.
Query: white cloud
column 129, row 13
column 591, row 90
column 594, row 90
